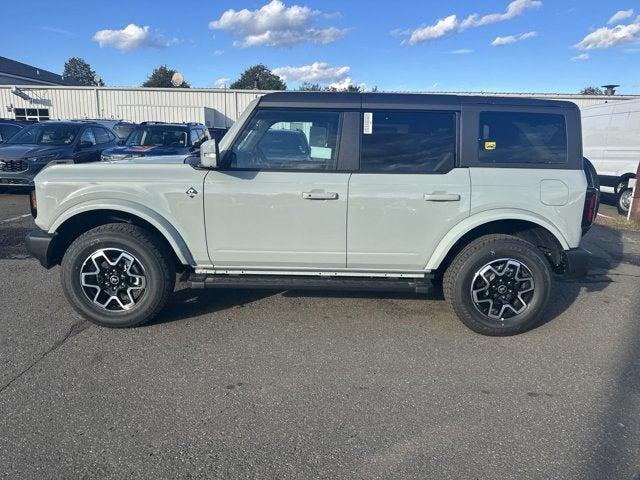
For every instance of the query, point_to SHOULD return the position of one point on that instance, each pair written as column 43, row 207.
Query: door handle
column 441, row 197
column 320, row 195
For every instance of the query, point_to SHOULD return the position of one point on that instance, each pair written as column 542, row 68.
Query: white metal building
column 213, row 107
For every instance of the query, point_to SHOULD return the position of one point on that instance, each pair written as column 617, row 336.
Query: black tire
column 459, row 279
column 623, row 200
column 150, row 254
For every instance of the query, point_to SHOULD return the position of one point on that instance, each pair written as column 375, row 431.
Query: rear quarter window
column 522, row 138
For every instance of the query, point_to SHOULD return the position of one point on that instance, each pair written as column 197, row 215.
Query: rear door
column 408, row 192
column 279, row 201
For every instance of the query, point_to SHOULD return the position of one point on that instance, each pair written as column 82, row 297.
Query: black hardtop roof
column 68, row 122
column 398, row 100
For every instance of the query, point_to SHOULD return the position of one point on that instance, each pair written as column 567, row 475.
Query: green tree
column 591, row 91
column 258, row 77
column 161, row 78
column 310, row 87
column 79, row 71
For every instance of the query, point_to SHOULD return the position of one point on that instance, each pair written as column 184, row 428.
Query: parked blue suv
column 27, row 152
column 171, row 141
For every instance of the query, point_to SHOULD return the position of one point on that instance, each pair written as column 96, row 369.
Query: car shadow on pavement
column 187, row 303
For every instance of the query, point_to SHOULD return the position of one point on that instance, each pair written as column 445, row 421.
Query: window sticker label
column 489, row 145
column 368, row 123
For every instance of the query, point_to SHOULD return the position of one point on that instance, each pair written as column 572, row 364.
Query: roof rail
column 153, row 122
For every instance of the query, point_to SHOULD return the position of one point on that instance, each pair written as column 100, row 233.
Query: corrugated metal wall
column 170, row 104
column 136, row 104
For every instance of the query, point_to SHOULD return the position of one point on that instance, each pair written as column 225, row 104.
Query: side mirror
column 209, row 154
column 85, row 144
column 121, row 142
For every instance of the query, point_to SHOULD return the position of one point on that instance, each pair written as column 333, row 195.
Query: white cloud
column 620, row 15
column 346, row 83
column 316, row 72
column 431, row 32
column 221, row 83
column 218, row 52
column 131, row 37
column 276, row 25
column 606, row 37
column 508, row 40
column 514, row 9
column 451, row 23
column 461, row 51
column 580, row 58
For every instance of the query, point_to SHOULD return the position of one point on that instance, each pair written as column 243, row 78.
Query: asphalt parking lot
column 254, row 384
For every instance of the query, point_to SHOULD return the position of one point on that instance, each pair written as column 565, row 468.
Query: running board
column 289, row 282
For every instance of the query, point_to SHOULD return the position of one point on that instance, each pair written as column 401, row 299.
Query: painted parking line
column 13, row 219
column 606, row 216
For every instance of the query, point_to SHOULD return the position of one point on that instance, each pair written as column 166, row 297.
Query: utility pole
column 634, row 209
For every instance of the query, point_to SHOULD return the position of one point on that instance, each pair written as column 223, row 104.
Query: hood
column 9, row 151
column 145, row 151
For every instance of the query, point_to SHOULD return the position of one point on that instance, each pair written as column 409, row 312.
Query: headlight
column 43, row 158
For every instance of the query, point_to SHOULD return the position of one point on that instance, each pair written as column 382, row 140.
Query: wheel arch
column 78, row 220
column 538, row 232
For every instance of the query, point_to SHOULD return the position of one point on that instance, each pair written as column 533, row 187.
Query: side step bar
column 290, row 282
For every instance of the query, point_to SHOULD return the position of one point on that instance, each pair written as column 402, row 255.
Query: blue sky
column 490, row 45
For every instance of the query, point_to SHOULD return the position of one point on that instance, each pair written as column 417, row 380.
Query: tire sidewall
column 534, row 262
column 82, row 249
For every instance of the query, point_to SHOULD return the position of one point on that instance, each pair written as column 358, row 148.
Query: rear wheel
column 117, row 275
column 498, row 285
column 624, row 200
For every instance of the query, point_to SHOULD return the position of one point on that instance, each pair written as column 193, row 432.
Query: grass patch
column 620, row 223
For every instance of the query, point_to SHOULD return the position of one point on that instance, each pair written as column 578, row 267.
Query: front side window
column 158, row 136
column 287, row 140
column 520, row 137
column 408, row 142
column 46, row 134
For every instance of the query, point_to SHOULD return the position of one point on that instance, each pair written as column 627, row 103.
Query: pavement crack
column 74, row 330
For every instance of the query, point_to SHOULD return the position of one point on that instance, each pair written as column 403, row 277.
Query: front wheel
column 117, row 275
column 498, row 285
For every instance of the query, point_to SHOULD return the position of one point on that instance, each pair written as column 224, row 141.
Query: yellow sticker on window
column 489, row 145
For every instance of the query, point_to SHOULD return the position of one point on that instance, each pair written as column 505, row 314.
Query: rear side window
column 408, row 142
column 519, row 137
column 102, row 135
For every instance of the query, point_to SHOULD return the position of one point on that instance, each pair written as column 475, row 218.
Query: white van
column 611, row 138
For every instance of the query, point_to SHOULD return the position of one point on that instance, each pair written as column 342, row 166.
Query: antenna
column 177, row 79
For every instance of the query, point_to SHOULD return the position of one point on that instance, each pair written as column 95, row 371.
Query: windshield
column 158, row 135
column 46, row 134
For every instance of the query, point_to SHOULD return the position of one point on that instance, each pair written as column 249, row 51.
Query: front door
column 278, row 202
column 408, row 193
column 86, row 150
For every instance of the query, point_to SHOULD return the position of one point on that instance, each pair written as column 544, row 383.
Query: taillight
column 34, row 203
column 591, row 205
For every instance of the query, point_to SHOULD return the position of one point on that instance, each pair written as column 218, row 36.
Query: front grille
column 13, row 166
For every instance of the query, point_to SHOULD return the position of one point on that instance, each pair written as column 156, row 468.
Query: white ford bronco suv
column 488, row 196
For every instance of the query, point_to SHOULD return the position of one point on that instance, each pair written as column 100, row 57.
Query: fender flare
column 166, row 229
column 482, row 218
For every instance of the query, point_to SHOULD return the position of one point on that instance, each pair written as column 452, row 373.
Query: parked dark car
column 157, row 139
column 32, row 148
column 122, row 128
column 9, row 127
